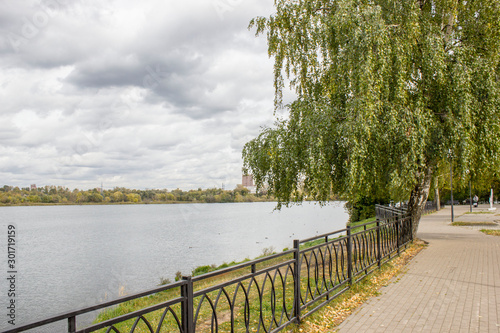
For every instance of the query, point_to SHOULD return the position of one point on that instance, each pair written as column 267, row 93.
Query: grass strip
column 491, row 232
column 368, row 220
column 472, row 224
column 205, row 311
column 478, row 213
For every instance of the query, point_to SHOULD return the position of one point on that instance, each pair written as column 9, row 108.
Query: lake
column 68, row 257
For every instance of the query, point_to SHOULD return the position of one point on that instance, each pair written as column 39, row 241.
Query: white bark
column 418, row 198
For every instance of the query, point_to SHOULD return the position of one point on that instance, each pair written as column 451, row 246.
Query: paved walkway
column 451, row 286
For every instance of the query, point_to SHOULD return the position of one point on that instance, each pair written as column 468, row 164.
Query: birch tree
column 387, row 92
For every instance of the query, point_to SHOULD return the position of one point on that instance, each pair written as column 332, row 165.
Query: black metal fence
column 386, row 212
column 430, row 206
column 262, row 295
column 383, row 212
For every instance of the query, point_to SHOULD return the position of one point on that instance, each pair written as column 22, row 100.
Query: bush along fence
column 262, row 295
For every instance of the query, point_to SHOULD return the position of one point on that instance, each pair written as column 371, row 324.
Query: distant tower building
column 33, row 187
column 247, row 181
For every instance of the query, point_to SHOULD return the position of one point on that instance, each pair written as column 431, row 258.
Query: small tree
column 388, row 92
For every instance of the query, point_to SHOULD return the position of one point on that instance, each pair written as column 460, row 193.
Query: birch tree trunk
column 418, row 198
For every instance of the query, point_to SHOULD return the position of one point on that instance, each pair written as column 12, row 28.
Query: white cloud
column 151, row 94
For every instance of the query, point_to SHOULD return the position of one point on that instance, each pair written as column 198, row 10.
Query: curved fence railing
column 259, row 298
column 262, row 295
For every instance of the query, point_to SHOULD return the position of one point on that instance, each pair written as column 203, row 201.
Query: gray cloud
column 149, row 94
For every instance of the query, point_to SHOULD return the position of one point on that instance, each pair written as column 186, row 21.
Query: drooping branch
column 384, row 88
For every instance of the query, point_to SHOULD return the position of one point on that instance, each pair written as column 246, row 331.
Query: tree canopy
column 387, row 92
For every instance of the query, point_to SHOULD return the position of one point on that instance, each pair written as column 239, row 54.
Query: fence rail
column 262, row 295
column 383, row 212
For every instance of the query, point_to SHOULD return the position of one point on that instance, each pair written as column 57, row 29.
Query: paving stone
column 451, row 286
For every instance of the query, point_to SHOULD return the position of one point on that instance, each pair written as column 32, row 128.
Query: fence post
column 328, row 294
column 411, row 226
column 397, row 233
column 296, row 279
column 379, row 245
column 349, row 255
column 187, row 305
column 72, row 324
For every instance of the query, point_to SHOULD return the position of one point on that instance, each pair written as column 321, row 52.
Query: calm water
column 74, row 256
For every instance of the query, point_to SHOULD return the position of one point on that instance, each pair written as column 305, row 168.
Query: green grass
column 371, row 219
column 471, row 224
column 474, row 213
column 205, row 313
column 315, row 242
column 353, row 230
column 354, row 224
column 141, row 303
column 491, row 232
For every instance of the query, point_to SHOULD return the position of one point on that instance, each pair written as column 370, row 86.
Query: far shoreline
column 35, row 204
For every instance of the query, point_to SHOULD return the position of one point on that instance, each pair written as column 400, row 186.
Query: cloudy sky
column 140, row 94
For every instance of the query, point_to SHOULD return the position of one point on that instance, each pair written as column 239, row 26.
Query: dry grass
column 478, row 213
column 491, row 232
column 472, row 224
column 326, row 319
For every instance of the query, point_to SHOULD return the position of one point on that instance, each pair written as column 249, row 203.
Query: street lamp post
column 470, row 195
column 451, row 189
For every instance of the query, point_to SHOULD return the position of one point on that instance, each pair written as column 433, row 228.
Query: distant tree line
column 10, row 195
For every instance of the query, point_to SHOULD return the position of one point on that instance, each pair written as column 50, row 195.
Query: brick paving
column 453, row 285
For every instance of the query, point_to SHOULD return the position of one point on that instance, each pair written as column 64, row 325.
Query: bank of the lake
column 41, row 204
column 10, row 195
